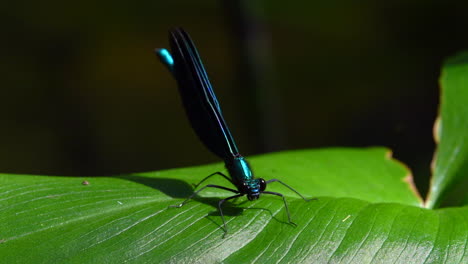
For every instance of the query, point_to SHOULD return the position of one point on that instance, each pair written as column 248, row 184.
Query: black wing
column 198, row 97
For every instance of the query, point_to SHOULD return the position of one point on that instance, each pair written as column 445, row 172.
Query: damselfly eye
column 262, row 184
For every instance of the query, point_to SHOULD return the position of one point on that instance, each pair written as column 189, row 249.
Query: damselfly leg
column 285, row 205
column 201, row 189
column 291, row 188
column 213, row 174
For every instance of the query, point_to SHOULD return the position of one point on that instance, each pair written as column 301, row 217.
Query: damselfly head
column 253, row 188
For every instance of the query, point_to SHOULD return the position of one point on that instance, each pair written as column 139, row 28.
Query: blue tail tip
column 165, row 56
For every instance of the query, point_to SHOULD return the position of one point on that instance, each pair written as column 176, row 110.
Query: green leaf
column 450, row 179
column 127, row 218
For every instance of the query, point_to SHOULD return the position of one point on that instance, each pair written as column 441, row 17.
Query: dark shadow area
column 171, row 187
column 179, row 190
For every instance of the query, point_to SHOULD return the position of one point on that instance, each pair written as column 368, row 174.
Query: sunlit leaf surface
column 126, row 218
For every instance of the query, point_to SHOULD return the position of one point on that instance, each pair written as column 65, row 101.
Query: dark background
column 83, row 94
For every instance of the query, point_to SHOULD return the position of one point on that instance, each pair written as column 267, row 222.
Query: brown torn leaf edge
column 408, row 179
